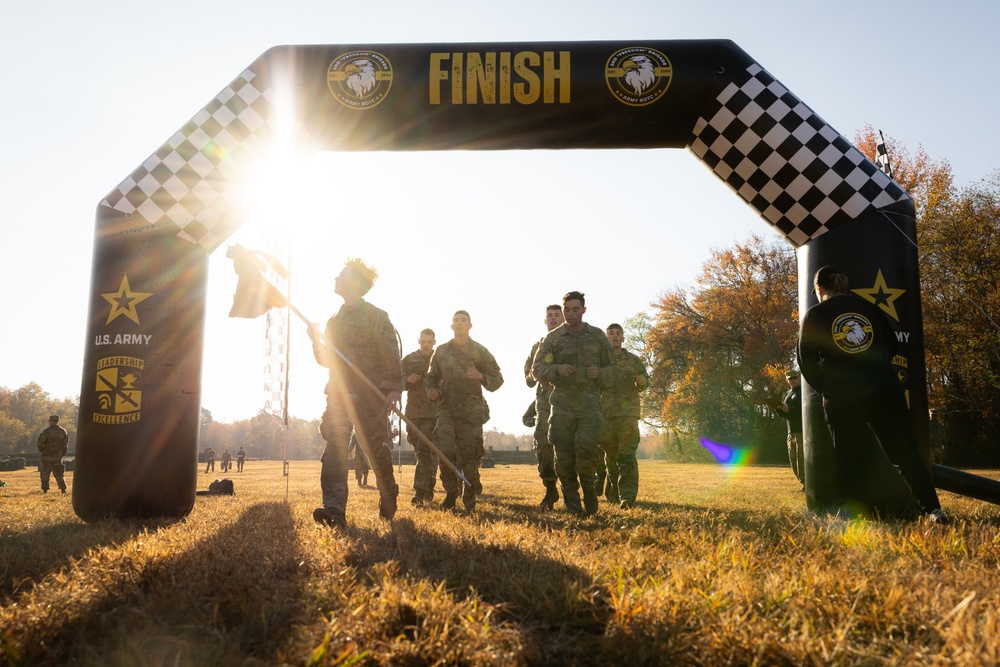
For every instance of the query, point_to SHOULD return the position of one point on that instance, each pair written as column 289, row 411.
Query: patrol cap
column 54, row 418
column 791, row 374
column 824, row 276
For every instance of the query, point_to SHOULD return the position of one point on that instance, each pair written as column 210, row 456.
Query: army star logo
column 123, row 301
column 881, row 295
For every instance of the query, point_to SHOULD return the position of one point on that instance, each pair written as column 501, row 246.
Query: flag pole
column 288, row 373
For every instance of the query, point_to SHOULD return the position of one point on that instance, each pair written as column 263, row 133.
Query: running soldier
column 576, row 359
column 459, row 371
column 622, row 409
column 423, row 413
column 544, row 454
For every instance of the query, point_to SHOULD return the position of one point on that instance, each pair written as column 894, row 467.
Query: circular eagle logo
column 853, row 333
column 360, row 79
column 638, row 75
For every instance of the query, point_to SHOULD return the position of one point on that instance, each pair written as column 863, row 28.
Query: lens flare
column 727, row 455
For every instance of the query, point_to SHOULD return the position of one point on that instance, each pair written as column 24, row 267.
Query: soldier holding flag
column 366, row 338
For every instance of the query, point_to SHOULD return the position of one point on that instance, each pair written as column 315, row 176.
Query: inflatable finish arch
column 140, row 390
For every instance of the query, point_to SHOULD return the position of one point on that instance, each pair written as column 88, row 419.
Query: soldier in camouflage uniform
column 366, row 337
column 576, row 359
column 459, row 371
column 544, row 453
column 423, row 413
column 621, row 420
column 52, row 443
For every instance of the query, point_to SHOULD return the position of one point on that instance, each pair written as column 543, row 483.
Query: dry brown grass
column 714, row 567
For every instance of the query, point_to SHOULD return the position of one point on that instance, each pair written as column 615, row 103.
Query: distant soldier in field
column 622, row 409
column 241, row 457
column 423, row 413
column 459, row 371
column 791, row 409
column 544, row 453
column 366, row 337
column 209, row 459
column 360, row 461
column 576, row 359
column 937, row 437
column 52, row 444
column 227, row 460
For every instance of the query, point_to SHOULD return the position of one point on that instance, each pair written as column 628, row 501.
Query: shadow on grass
column 560, row 609
column 28, row 557
column 236, row 593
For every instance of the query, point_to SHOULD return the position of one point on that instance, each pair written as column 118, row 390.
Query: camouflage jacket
column 588, row 347
column 461, row 397
column 363, row 334
column 621, row 399
column 417, row 403
column 53, row 442
column 542, row 389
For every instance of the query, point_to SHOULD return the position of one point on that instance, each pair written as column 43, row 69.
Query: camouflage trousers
column 462, row 443
column 575, row 434
column 796, row 456
column 545, row 454
column 368, row 417
column 52, row 466
column 425, row 472
column 621, row 440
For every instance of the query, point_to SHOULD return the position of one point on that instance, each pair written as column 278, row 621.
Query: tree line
column 24, row 413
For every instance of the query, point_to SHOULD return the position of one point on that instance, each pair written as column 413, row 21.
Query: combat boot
column 551, row 496
column 328, row 516
column 449, row 500
column 571, row 499
column 611, row 493
column 387, row 505
column 590, row 497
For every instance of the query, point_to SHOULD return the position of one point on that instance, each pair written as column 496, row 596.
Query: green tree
column 715, row 350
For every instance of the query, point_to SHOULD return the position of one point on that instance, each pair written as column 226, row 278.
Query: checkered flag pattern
column 276, row 362
column 882, row 156
column 276, row 336
column 186, row 183
column 800, row 174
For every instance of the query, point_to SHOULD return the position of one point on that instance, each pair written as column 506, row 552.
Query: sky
column 92, row 89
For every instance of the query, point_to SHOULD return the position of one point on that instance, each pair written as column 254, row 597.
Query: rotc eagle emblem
column 638, row 75
column 852, row 333
column 360, row 79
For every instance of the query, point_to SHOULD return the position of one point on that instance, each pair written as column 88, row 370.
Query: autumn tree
column 24, row 413
column 960, row 268
column 718, row 350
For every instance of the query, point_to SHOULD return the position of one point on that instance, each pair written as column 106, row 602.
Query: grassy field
column 716, row 566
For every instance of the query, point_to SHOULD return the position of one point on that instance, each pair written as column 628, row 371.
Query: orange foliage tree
column 718, row 350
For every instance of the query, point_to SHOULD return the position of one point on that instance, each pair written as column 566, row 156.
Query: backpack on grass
column 220, row 487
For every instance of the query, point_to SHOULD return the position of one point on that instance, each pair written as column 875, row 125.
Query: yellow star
column 882, row 295
column 123, row 301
